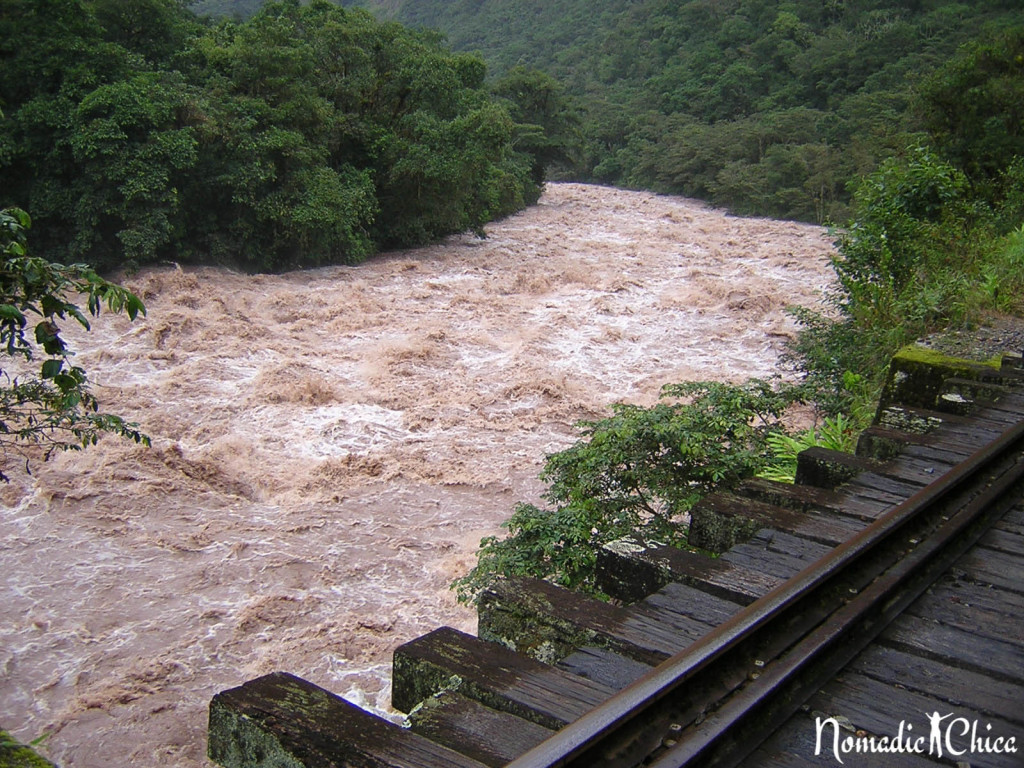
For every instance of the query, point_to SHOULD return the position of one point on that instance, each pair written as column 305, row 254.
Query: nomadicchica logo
column 943, row 736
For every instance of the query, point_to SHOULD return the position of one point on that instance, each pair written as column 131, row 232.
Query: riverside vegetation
column 308, row 135
column 766, row 107
column 312, row 134
column 936, row 242
column 135, row 133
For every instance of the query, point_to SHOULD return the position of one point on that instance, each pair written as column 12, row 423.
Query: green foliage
column 548, row 121
column 660, row 80
column 635, row 472
column 837, row 433
column 13, row 754
column 974, row 105
column 927, row 251
column 811, row 95
column 902, row 269
column 53, row 408
column 306, row 135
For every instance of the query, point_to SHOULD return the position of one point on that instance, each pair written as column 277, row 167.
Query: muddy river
column 330, row 446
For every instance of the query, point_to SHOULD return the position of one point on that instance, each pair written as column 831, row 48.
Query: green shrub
column 636, row 472
column 837, row 433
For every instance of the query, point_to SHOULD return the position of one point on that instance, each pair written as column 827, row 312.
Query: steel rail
column 634, row 723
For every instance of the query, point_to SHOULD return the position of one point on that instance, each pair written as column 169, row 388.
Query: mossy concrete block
column 916, row 376
column 721, row 521
column 282, row 721
column 13, row 754
column 521, row 615
column 623, row 572
column 825, row 468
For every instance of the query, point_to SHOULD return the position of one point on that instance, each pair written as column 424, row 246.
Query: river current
column 329, row 446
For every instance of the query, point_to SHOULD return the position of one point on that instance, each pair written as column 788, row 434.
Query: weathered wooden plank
column 986, row 655
column 723, row 520
column 491, row 674
column 685, row 600
column 825, row 468
column 999, row 415
column 1008, row 542
column 945, row 682
column 879, row 486
column 630, row 571
column 604, row 666
column 775, row 553
column 486, row 735
column 1015, row 528
column 877, row 708
column 783, row 543
column 983, row 611
column 945, row 443
column 548, row 622
column 966, row 395
column 948, row 451
column 906, row 418
column 996, row 568
column 280, row 720
column 726, row 580
column 920, row 472
column 798, row 744
column 868, row 504
column 882, row 443
column 800, row 498
column 1015, row 515
column 1011, row 404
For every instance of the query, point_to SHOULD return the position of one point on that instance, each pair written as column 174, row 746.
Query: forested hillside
column 762, row 106
column 138, row 132
column 759, row 105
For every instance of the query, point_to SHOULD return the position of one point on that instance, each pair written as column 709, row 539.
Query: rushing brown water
column 329, row 447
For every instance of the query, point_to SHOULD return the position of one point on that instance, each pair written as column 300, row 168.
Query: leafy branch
column 636, row 472
column 50, row 406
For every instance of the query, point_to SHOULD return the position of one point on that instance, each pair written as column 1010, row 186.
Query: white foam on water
column 330, row 446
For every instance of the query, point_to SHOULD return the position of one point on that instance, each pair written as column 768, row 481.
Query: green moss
column 916, row 376
column 526, row 622
column 718, row 533
column 927, row 356
column 15, row 755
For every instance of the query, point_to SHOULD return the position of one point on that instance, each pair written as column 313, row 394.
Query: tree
column 50, row 407
column 974, row 106
column 635, row 473
column 548, row 120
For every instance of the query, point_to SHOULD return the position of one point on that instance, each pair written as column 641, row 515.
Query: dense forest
column 761, row 106
column 138, row 132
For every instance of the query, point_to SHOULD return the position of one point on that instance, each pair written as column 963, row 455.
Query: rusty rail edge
column 629, row 726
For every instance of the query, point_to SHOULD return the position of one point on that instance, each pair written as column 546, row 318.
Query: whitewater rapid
column 329, row 447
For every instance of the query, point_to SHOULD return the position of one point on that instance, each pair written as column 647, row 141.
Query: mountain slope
column 763, row 106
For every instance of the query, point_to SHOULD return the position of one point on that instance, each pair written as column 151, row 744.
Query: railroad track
column 712, row 662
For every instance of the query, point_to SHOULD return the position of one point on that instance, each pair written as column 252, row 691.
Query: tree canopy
column 306, row 135
column 772, row 107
